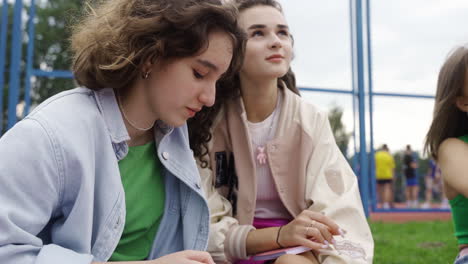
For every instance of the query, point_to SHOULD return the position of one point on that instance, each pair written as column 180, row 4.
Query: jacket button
column 198, row 185
column 165, row 155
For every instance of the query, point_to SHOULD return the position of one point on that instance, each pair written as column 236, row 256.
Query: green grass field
column 414, row 242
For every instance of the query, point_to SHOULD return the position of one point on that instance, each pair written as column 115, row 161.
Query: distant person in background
column 432, row 181
column 384, row 172
column 409, row 169
column 447, row 141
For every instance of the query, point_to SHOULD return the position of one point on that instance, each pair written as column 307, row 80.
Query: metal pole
column 371, row 108
column 353, row 82
column 3, row 40
column 325, row 90
column 364, row 169
column 29, row 58
column 15, row 67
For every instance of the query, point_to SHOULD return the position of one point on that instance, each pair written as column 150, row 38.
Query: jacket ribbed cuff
column 235, row 244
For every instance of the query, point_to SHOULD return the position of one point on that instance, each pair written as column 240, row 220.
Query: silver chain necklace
column 128, row 120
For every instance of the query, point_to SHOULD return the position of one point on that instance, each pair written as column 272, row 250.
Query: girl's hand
column 310, row 229
column 185, row 257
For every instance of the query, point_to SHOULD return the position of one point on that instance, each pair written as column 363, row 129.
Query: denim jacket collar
column 110, row 110
column 109, row 107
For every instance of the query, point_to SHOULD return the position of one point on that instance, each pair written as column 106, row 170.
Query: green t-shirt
column 143, row 183
column 459, row 206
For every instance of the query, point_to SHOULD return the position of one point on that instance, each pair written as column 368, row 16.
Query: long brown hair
column 228, row 89
column 114, row 39
column 448, row 120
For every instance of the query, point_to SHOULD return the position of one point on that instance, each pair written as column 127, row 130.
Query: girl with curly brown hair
column 104, row 172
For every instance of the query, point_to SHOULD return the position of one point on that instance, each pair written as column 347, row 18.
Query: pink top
column 268, row 204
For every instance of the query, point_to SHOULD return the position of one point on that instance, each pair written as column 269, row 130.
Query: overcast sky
column 410, row 40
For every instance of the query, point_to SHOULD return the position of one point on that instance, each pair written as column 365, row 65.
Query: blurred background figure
column 409, row 169
column 433, row 183
column 385, row 171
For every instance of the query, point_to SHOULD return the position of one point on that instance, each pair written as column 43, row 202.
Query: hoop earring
column 145, row 75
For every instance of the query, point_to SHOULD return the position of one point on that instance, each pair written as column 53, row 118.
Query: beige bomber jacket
column 309, row 172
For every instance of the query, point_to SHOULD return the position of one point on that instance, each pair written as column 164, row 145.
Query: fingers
column 312, row 244
column 199, row 256
column 331, row 225
column 327, row 234
column 320, row 232
column 311, row 228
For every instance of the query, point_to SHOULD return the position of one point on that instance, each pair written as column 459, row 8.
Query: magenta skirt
column 260, row 223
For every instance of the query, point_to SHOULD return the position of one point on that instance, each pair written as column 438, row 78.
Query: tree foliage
column 52, row 30
column 51, row 51
column 342, row 137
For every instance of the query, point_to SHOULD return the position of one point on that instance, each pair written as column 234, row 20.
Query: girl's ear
column 462, row 103
column 147, row 66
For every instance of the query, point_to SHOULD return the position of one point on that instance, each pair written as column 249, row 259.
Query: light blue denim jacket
column 61, row 196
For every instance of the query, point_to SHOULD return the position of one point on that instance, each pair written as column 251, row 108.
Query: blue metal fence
column 15, row 70
column 361, row 64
